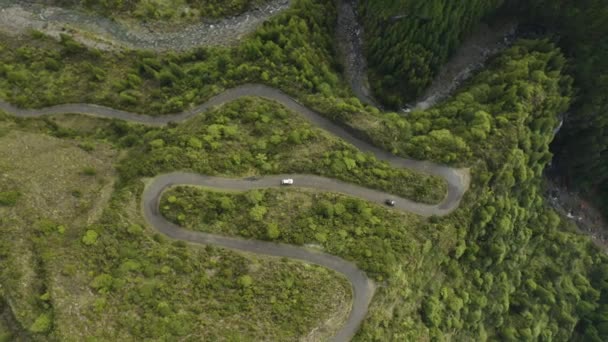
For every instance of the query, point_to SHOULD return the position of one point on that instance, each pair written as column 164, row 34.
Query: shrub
column 157, row 143
column 42, row 324
column 90, row 238
column 9, row 198
column 245, row 281
column 272, row 231
column 89, row 171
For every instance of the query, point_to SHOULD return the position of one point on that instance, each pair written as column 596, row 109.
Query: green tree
column 90, row 237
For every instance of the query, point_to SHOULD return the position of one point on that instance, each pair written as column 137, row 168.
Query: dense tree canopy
column 408, row 40
column 514, row 271
column 582, row 145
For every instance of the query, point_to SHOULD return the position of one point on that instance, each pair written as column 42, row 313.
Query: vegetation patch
column 348, row 227
column 9, row 198
column 37, row 212
column 253, row 136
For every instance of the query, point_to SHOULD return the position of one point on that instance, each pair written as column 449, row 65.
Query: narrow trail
column 363, row 288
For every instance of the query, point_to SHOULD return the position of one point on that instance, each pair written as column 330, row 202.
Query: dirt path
column 17, row 17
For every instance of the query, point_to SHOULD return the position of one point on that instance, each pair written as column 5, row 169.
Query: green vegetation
column 502, row 267
column 407, row 41
column 185, row 291
column 404, row 54
column 78, row 267
column 7, row 325
column 293, row 52
column 246, row 137
column 483, row 272
column 166, row 10
column 253, row 136
column 340, row 225
column 511, row 258
column 9, row 197
column 582, row 144
column 31, row 234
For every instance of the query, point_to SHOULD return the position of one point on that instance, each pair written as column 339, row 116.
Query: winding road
column 349, row 37
column 363, row 288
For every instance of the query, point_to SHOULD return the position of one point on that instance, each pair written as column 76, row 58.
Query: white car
column 287, row 181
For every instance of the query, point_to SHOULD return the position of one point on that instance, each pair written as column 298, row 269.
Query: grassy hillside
column 80, row 263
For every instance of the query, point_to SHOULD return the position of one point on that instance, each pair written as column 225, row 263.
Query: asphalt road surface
column 363, row 287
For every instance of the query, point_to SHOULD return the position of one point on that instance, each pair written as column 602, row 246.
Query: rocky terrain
column 17, row 17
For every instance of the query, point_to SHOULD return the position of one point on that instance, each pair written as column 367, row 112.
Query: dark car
column 390, row 202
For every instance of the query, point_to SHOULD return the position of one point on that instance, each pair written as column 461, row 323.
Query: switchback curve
column 362, row 286
column 457, row 179
column 363, row 289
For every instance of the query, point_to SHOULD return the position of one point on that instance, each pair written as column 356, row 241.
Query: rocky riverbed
column 18, row 17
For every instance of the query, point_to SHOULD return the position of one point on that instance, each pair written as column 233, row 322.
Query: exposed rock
column 17, row 17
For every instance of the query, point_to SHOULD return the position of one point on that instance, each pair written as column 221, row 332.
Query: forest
column 407, row 41
column 407, row 57
column 504, row 266
column 506, row 251
column 581, row 148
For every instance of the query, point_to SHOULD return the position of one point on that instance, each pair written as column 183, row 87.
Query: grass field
column 58, row 188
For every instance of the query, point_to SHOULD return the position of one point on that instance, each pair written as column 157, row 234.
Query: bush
column 90, row 238
column 273, row 231
column 43, row 323
column 89, row 171
column 245, row 281
column 9, row 198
